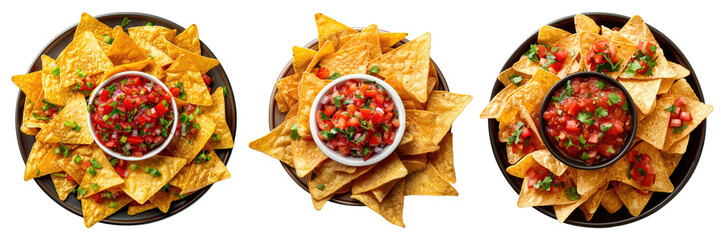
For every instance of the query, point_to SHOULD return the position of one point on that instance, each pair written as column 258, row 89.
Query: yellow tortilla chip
column 104, row 177
column 610, row 201
column 584, row 23
column 89, row 23
column 420, row 143
column 428, row 182
column 698, row 110
column 506, row 77
column 188, row 147
column 347, row 61
column 563, row 211
column 328, row 180
column 389, row 39
column 369, row 39
column 58, row 131
column 308, row 89
column 385, row 171
column 414, row 163
column 134, row 66
column 63, row 186
column 83, row 54
column 288, row 86
column 207, row 169
column 189, row 39
column 447, row 106
column 530, row 97
column 282, row 104
column 391, row 208
column 135, row 208
column 221, row 138
column 549, row 35
column 682, row 88
column 413, row 76
column 82, row 153
column 155, row 35
column 94, row 212
column 587, row 180
column 540, row 157
column 635, row 202
column 38, row 153
column 324, row 50
column 181, row 71
column 652, row 128
column 493, row 109
column 330, row 30
column 124, row 50
column 442, row 160
column 590, row 206
column 619, row 170
column 381, row 192
column 198, row 63
column 53, row 90
column 302, row 58
column 530, row 197
column 643, row 92
column 31, row 84
column 306, row 156
column 680, row 146
column 28, row 127
column 277, row 143
column 426, row 120
column 162, row 199
column 141, row 183
column 160, row 57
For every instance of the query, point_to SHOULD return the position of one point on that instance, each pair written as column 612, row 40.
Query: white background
column 253, row 41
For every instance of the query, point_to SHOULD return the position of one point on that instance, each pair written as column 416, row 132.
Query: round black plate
column 275, row 118
column 679, row 177
column 53, row 49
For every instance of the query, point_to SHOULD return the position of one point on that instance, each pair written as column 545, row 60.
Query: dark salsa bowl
column 590, row 127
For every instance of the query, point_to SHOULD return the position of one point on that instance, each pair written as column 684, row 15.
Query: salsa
column 588, row 119
column 550, row 58
column 680, row 118
column 357, row 118
column 643, row 60
column 543, row 180
column 132, row 115
column 640, row 169
column 520, row 139
column 602, row 58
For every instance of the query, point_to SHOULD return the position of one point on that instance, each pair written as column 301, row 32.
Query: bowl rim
column 578, row 163
column 154, row 151
column 358, row 161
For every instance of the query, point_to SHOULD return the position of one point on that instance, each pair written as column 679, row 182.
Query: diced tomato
column 377, row 117
column 600, row 45
column 104, row 95
column 341, row 123
column 589, row 56
column 680, row 102
column 371, row 93
column 160, row 109
column 132, row 139
column 526, row 132
column 323, row 73
column 70, row 178
column 396, row 122
column 86, row 164
column 675, row 123
column 574, row 109
column 572, row 125
column 556, row 67
column 685, row 116
column 648, row 180
column 366, row 113
column 561, row 55
column 542, row 50
column 593, row 139
column 353, row 122
column 598, row 59
column 207, row 79
column 98, row 198
column 175, row 91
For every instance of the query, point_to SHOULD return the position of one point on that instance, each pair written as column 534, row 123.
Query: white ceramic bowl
column 350, row 160
column 154, row 151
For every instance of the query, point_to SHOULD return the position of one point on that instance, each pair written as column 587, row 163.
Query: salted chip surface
column 189, row 39
column 151, row 174
column 83, row 54
column 63, row 186
column 277, row 143
column 198, row 63
column 391, row 208
column 207, row 169
column 429, row 183
column 447, row 106
column 619, row 170
column 442, row 160
column 385, row 171
column 187, row 147
column 329, row 178
column 90, row 24
column 330, row 30
column 69, row 126
column 306, row 156
column 94, row 212
column 135, row 208
column 163, row 198
column 634, row 201
column 222, row 137
column 124, row 50
column 104, row 178
column 415, row 75
column 155, row 35
column 308, row 89
column 31, row 84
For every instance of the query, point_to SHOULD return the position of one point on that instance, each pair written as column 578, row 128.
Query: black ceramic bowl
column 575, row 162
column 679, row 177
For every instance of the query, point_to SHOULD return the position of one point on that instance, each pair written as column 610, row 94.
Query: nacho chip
column 83, row 54
column 324, row 50
column 221, row 138
column 619, row 170
column 428, row 182
column 28, row 126
column 563, row 211
column 494, row 108
column 385, row 171
column 188, row 147
column 530, row 97
column 160, row 57
column 682, row 88
column 207, row 169
column 124, row 50
column 381, row 192
column 288, row 86
column 150, row 176
column 57, row 131
column 94, row 212
column 82, row 153
column 414, row 163
column 136, row 208
column 413, row 76
column 308, row 88
column 508, row 76
column 590, row 206
column 328, row 180
column 347, row 61
column 330, row 30
column 302, row 58
column 610, row 201
column 104, row 177
column 277, row 143
column 442, row 160
column 549, row 35
column 198, row 63
column 447, row 106
column 89, row 23
column 680, row 146
column 30, row 84
column 54, row 91
column 652, row 128
column 635, row 202
column 389, row 39
column 426, row 120
column 162, row 198
column 420, row 143
column 155, row 35
column 181, row 71
column 306, row 156
column 587, row 180
column 134, row 66
column 643, row 92
column 530, row 197
column 39, row 151
column 188, row 39
column 391, row 208
column 540, row 157
column 698, row 110
column 63, row 186
column 369, row 39
column 584, row 23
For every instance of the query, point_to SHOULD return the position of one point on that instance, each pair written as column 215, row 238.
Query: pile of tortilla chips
column 98, row 51
column 527, row 83
column 423, row 162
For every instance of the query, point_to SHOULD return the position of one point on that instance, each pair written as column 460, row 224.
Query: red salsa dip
column 588, row 119
column 357, row 118
column 132, row 115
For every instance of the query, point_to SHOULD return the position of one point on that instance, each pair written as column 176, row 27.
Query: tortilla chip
column 189, row 39
column 426, row 120
column 530, row 197
column 428, row 182
column 635, row 202
column 381, row 192
column 330, row 30
column 549, row 35
column 610, row 201
column 288, row 86
column 140, row 185
column 308, row 89
column 369, row 39
column 94, row 212
column 390, row 208
column 188, row 147
column 198, row 63
column 83, row 153
column 318, row 204
column 328, row 180
column 447, row 106
column 136, row 208
column 680, row 146
column 302, row 58
column 530, row 97
column 652, row 128
column 636, row 30
column 104, row 178
column 31, row 84
column 205, row 173
column 442, row 160
column 682, row 88
column 389, row 39
column 159, row 56
column 493, row 109
column 590, row 206
column 306, row 156
column 643, row 92
column 85, row 54
column 414, row 163
column 124, row 50
column 39, row 151
column 584, row 23
column 347, row 61
column 698, row 110
column 277, row 143
column 324, row 50
column 619, row 170
column 563, row 211
column 155, row 35
column 135, row 66
column 420, row 143
column 216, row 113
column 56, row 131
column 63, row 186
column 385, row 171
column 587, row 180
column 162, row 199
column 540, row 157
column 414, row 76
column 89, row 23
column 27, row 126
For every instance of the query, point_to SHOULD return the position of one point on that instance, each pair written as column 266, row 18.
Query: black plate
column 53, row 49
column 275, row 118
column 679, row 177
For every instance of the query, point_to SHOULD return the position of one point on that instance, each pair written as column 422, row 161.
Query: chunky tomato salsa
column 543, row 180
column 588, row 119
column 357, row 118
column 132, row 115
